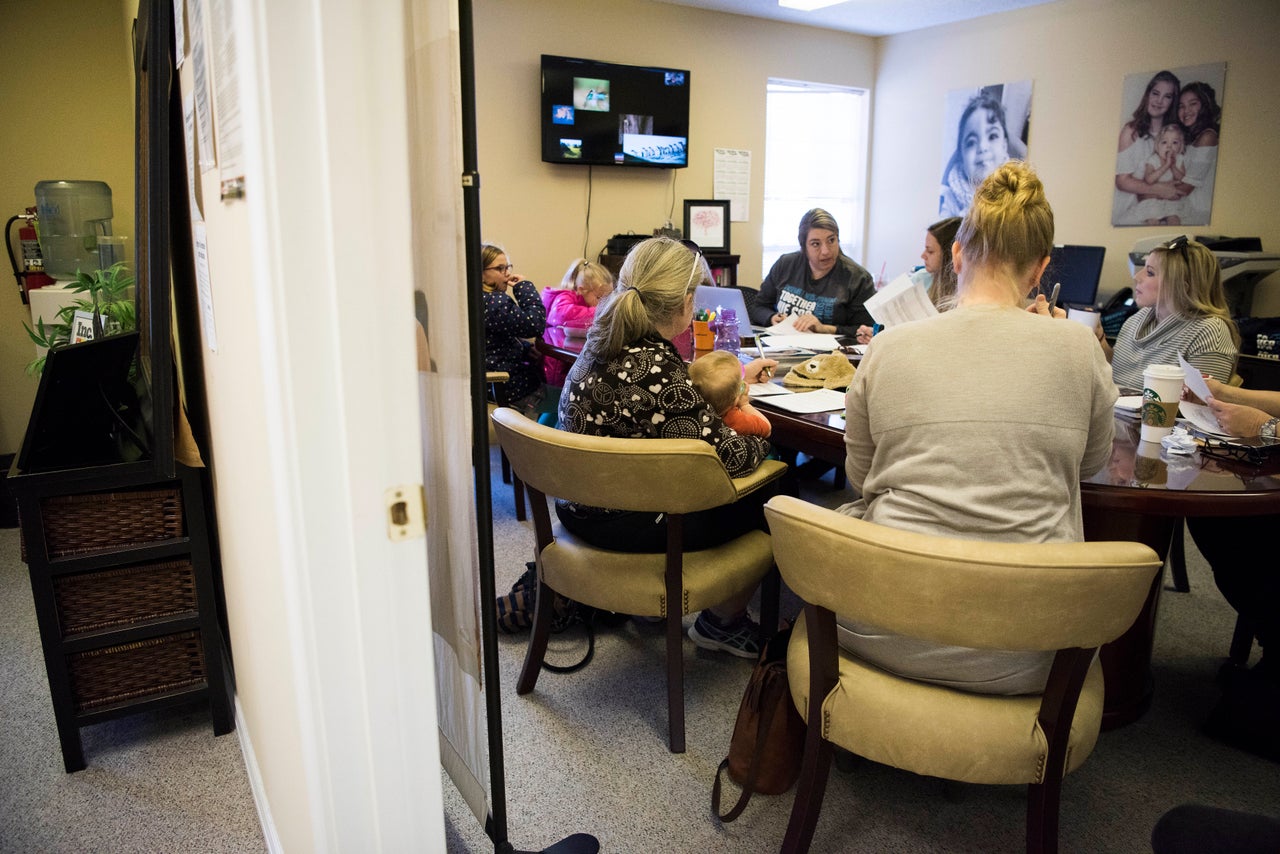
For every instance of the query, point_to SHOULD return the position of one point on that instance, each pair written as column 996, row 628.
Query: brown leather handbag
column 768, row 737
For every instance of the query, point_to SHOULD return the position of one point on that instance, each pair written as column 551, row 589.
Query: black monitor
column 1078, row 269
column 86, row 411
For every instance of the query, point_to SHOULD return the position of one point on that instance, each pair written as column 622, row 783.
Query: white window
column 815, row 157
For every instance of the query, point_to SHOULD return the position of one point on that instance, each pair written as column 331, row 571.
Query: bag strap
column 586, row 659
column 768, row 705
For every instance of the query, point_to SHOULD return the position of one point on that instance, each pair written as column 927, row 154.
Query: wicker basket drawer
column 121, row 597
column 76, row 524
column 135, row 671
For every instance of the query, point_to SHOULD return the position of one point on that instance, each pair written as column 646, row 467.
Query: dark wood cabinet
column 119, row 543
column 723, row 267
column 123, row 580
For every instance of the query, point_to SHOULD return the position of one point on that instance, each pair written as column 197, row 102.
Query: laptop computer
column 717, row 299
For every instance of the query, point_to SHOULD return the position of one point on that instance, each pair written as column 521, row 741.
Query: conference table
column 1140, row 495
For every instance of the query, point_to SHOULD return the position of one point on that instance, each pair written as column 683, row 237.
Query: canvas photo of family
column 1167, row 154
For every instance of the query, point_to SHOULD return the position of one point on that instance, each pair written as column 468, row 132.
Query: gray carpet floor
column 587, row 753
column 155, row 781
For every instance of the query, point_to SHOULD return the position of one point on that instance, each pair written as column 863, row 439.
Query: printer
column 1242, row 260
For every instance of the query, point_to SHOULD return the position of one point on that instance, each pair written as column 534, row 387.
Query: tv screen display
column 605, row 114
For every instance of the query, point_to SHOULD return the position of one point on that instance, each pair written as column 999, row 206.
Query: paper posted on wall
column 900, row 301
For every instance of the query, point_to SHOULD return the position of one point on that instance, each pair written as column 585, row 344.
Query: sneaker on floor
column 741, row 638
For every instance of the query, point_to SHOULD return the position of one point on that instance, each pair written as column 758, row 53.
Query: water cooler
column 75, row 234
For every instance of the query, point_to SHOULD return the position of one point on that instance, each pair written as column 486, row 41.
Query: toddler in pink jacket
column 572, row 305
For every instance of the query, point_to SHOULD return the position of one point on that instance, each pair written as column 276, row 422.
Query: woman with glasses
column 979, row 423
column 630, row 382
column 1182, row 312
column 513, row 315
column 819, row 287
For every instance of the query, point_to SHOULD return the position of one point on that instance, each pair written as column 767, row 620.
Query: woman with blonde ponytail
column 631, row 382
column 979, row 423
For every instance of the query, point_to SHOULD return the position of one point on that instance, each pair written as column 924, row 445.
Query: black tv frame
column 671, row 123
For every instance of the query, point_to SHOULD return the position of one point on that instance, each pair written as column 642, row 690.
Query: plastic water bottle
column 727, row 337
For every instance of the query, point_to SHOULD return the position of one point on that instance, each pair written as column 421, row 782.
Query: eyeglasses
column 1179, row 242
column 501, row 268
column 1240, row 451
column 697, row 258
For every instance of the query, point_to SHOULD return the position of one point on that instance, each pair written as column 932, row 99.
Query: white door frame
column 324, row 114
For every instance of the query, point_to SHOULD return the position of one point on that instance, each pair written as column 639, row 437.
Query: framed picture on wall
column 706, row 223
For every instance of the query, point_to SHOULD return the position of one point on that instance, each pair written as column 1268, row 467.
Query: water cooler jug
column 73, row 215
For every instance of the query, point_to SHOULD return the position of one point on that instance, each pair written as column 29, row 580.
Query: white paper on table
column 816, row 341
column 900, row 301
column 1201, row 418
column 767, row 389
column 1194, row 380
column 818, row 400
column 786, row 325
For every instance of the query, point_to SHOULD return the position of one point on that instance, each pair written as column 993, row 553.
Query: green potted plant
column 108, row 301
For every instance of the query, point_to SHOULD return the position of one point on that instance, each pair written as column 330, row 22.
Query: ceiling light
column 808, row 5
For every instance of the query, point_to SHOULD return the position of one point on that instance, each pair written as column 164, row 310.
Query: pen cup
column 703, row 338
column 1161, row 390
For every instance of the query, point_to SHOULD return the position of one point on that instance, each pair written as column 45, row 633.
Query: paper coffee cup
column 1088, row 317
column 1161, row 390
column 1148, row 468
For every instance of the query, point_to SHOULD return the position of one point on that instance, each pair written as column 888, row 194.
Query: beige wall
column 65, row 119
column 1077, row 53
column 538, row 210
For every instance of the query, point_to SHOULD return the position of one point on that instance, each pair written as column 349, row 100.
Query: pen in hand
column 768, row 371
column 1053, row 297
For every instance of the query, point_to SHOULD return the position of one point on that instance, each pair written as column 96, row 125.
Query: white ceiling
column 867, row 17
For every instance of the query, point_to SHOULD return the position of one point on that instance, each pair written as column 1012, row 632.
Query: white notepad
column 818, row 400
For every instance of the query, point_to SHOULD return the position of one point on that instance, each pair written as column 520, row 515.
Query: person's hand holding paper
column 1199, row 414
column 900, row 301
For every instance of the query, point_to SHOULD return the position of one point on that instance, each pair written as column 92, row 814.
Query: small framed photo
column 706, row 223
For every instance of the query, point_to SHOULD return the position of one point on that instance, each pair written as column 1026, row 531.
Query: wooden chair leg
column 538, row 636
column 770, row 596
column 1178, row 557
column 506, row 466
column 675, row 680
column 1042, row 816
column 673, row 581
column 1241, row 642
column 810, row 789
column 517, row 488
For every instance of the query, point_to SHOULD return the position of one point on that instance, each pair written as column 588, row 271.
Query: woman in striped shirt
column 1182, row 312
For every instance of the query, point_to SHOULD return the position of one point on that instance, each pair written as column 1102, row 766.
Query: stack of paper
column 900, row 301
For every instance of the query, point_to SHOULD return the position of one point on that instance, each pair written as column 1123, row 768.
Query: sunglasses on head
column 697, row 256
column 1179, row 242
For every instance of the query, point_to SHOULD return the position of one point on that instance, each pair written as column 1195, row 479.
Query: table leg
column 1126, row 661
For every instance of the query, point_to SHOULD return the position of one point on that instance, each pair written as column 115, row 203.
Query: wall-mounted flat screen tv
column 604, row 114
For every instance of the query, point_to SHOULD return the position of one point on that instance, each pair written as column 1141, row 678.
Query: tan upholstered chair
column 671, row 476
column 1069, row 597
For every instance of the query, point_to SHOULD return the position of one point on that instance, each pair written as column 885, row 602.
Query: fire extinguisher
column 32, row 274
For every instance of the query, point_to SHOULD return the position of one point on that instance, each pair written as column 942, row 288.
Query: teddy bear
column 828, row 370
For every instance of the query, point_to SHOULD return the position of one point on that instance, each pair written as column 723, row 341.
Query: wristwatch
column 1268, row 429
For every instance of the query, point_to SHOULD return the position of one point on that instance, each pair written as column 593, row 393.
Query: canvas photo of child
column 982, row 128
